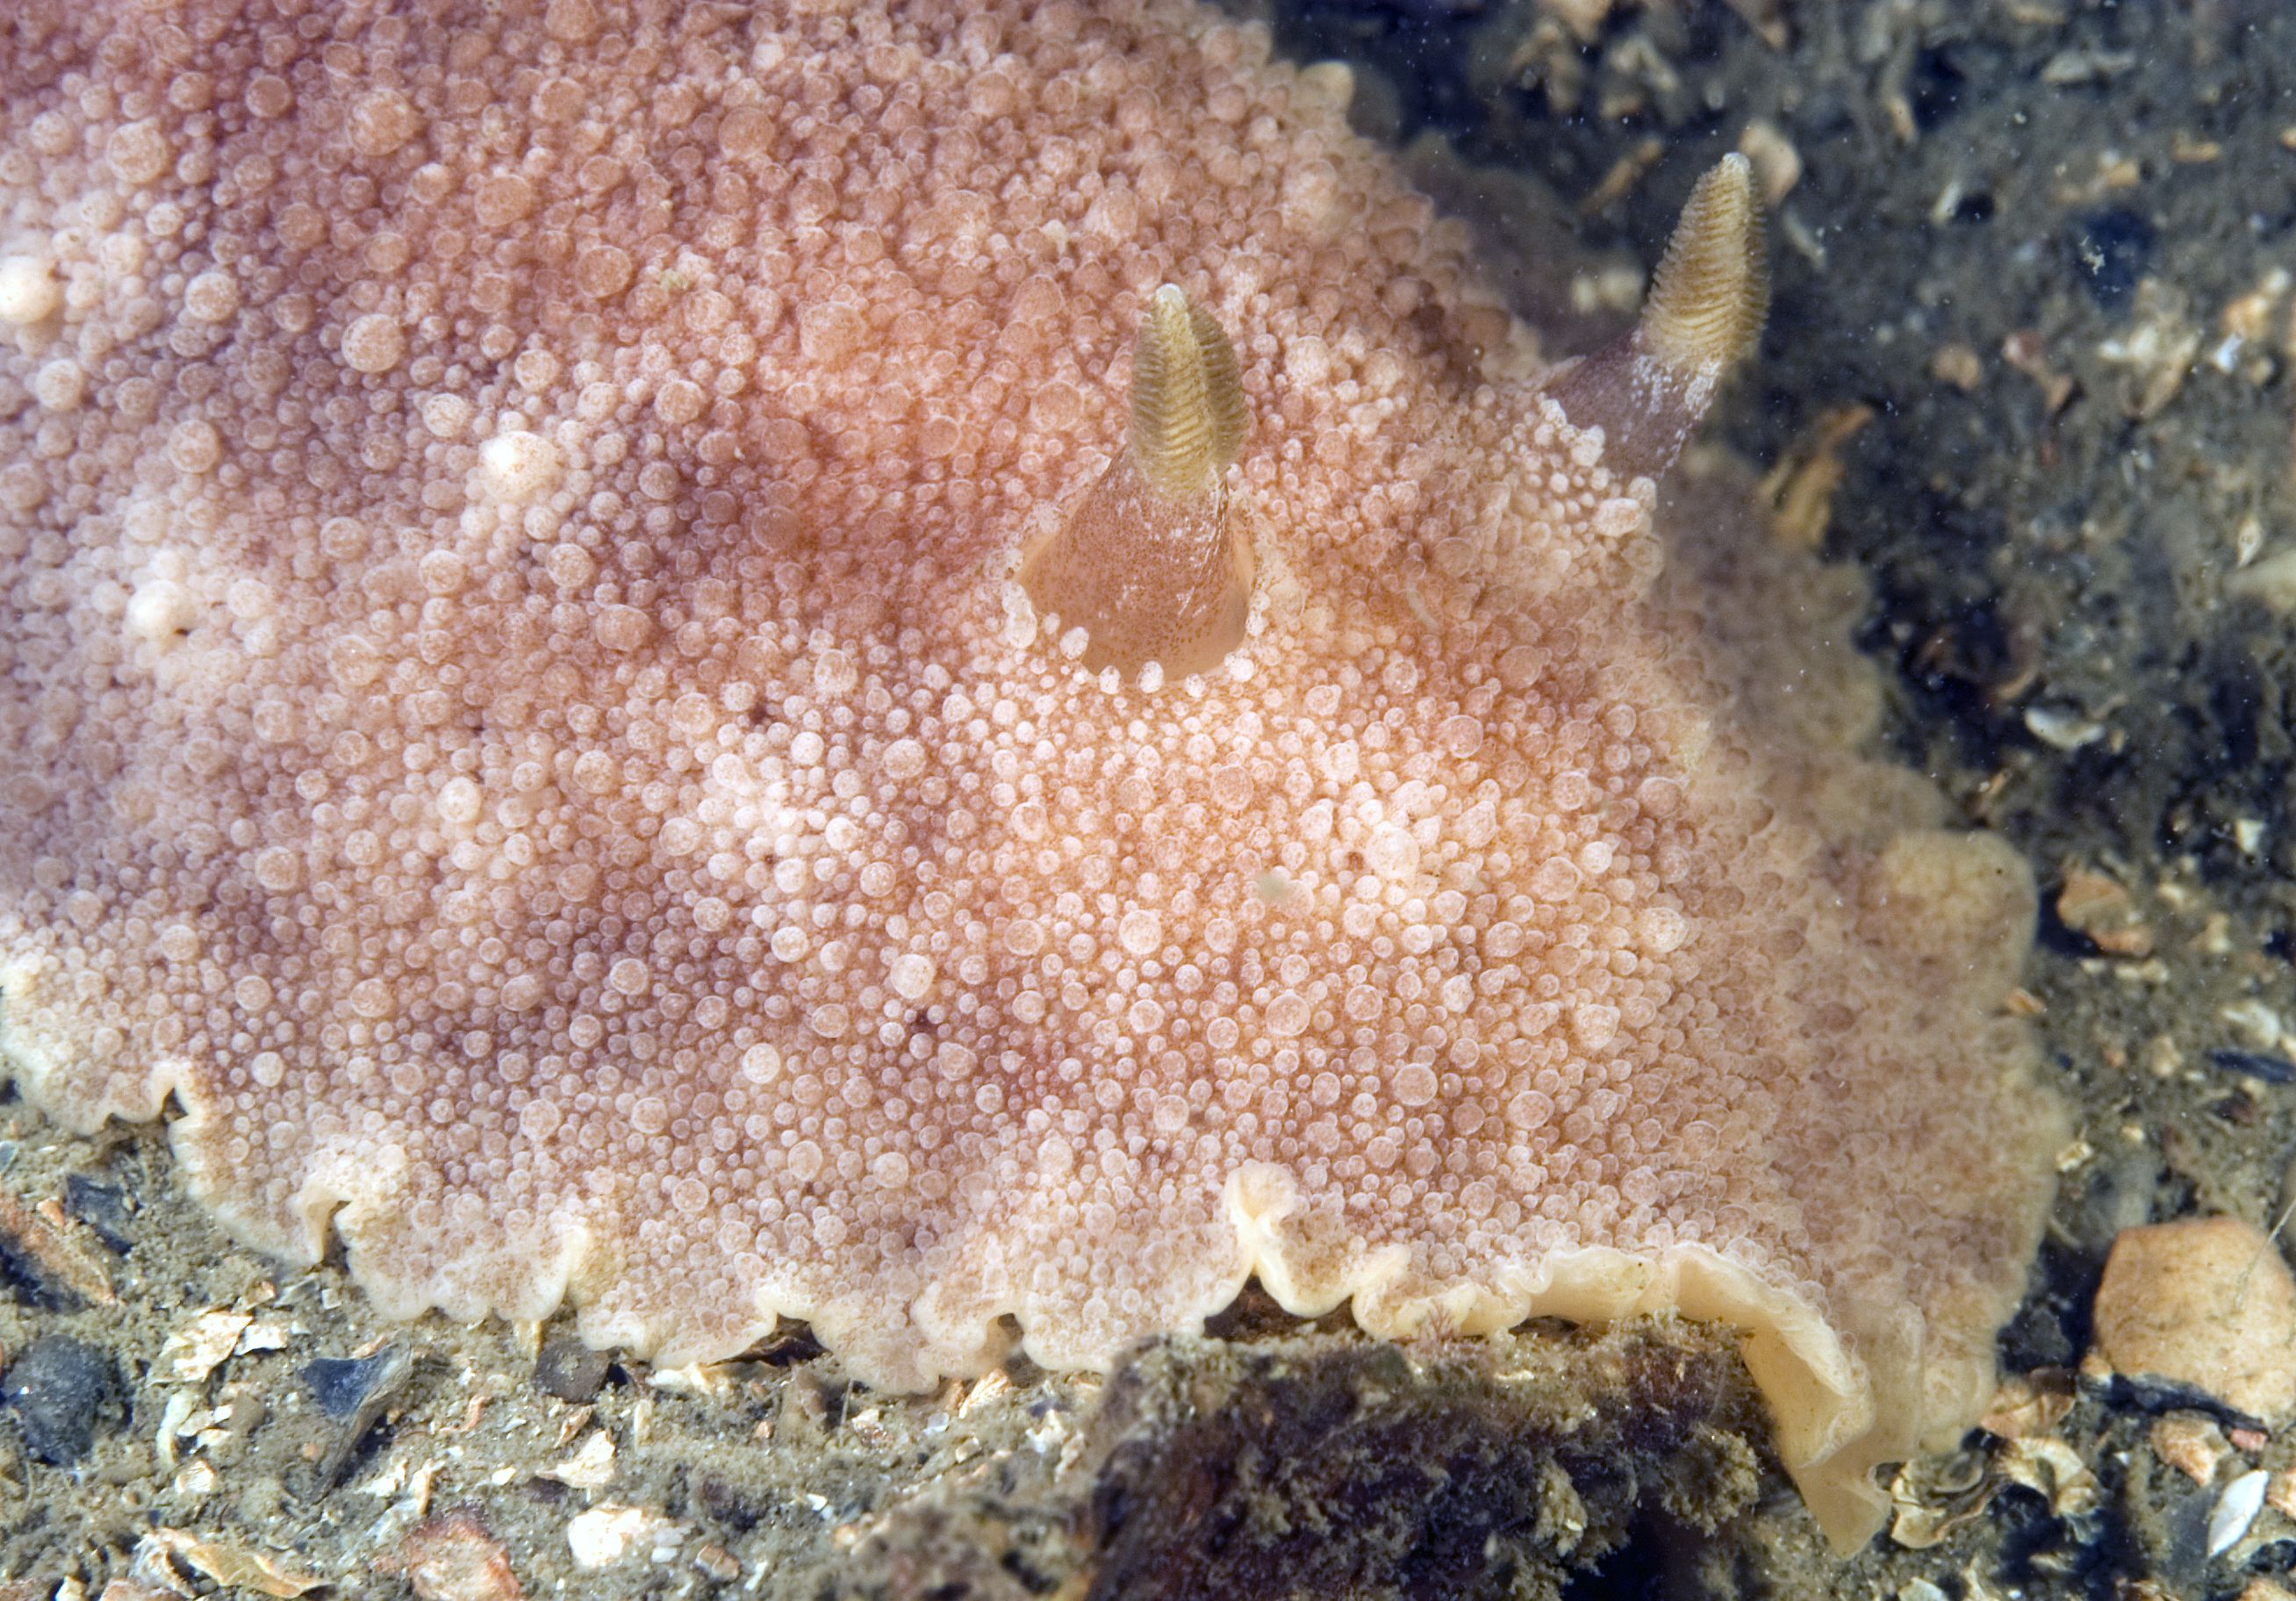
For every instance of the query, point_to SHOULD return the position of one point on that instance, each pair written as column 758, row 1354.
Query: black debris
column 2110, row 251
column 2255, row 1064
column 343, row 1385
column 58, row 1390
column 2150, row 1393
column 105, row 1208
column 353, row 1391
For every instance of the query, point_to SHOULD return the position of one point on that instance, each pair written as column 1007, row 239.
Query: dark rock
column 353, row 1391
column 1331, row 1464
column 569, row 1370
column 59, row 1390
column 342, row 1386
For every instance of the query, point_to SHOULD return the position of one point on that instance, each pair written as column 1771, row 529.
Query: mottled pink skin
column 517, row 715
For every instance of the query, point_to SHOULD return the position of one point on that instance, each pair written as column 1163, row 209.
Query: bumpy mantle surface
column 517, row 711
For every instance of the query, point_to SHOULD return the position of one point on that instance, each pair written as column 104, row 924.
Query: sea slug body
column 544, row 703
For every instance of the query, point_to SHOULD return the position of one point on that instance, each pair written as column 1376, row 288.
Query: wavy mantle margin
column 1836, row 1414
column 1833, row 1423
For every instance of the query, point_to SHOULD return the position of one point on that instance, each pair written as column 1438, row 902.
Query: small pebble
column 2191, row 1443
column 2062, row 728
column 56, row 1389
column 2206, row 1302
column 608, row 1534
column 569, row 1370
column 2090, row 904
column 453, row 1558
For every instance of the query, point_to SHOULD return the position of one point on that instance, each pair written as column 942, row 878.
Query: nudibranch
column 599, row 688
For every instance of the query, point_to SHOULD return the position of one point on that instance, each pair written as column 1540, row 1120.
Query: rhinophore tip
column 1154, row 565
column 1712, row 289
column 1704, row 315
column 1187, row 400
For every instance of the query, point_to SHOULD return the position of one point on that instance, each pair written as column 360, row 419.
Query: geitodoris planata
column 923, row 664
